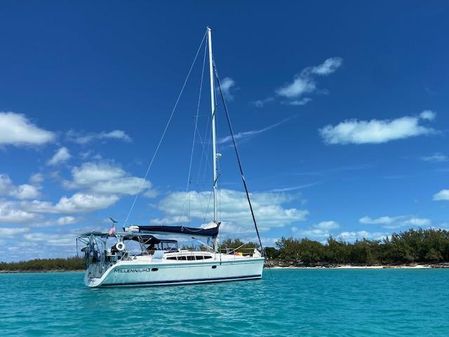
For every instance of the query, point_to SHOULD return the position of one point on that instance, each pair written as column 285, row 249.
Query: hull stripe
column 187, row 281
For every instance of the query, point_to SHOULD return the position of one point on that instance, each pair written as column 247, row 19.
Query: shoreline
column 337, row 267
column 359, row 267
column 345, row 267
column 40, row 271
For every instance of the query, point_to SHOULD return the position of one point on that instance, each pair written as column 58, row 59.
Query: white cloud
column 233, row 210
column 233, row 230
column 66, row 220
column 12, row 231
column 305, row 82
column 374, row 131
column 35, row 212
column 178, row 219
column 151, row 193
column 297, row 88
column 47, row 220
column 260, row 103
column 320, row 231
column 5, row 184
column 327, row 67
column 293, row 188
column 396, row 221
column 104, row 178
column 436, row 157
column 100, row 185
column 36, row 179
column 428, row 115
column 248, row 134
column 115, row 134
column 124, row 185
column 383, row 220
column 327, row 225
column 77, row 203
column 60, row 156
column 83, row 202
column 51, row 239
column 84, row 138
column 91, row 155
column 302, row 101
column 360, row 235
column 314, row 234
column 417, row 222
column 92, row 173
column 24, row 191
column 441, row 195
column 16, row 129
column 10, row 213
column 226, row 87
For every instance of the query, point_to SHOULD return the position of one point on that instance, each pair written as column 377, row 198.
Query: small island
column 411, row 248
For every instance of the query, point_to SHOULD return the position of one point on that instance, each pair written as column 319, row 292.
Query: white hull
column 145, row 272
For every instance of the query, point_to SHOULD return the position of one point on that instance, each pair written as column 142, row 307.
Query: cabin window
column 154, row 269
column 214, row 267
column 189, row 257
column 203, row 257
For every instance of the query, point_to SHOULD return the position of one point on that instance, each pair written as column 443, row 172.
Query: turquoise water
column 284, row 303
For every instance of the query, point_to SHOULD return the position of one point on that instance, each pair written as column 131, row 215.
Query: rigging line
column 204, row 142
column 195, row 131
column 204, row 164
column 166, row 128
column 204, row 160
column 228, row 119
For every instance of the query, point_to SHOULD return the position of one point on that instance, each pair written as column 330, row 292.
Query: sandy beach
column 418, row 266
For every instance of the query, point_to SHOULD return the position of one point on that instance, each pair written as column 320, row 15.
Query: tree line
column 71, row 263
column 427, row 246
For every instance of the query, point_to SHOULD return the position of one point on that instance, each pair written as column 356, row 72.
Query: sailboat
column 159, row 261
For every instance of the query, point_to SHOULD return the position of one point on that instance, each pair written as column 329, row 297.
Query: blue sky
column 340, row 111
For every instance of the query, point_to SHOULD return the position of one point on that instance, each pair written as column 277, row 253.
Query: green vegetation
column 427, row 246
column 237, row 246
column 72, row 263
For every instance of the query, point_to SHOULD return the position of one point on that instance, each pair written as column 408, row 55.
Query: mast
column 214, row 136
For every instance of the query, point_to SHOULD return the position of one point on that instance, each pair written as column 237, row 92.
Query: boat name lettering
column 133, row 270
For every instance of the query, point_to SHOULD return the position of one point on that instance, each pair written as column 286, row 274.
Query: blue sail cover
column 210, row 232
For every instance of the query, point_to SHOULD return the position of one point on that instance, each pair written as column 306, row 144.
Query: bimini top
column 210, row 230
column 139, row 237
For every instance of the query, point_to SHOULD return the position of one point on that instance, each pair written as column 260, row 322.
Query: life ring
column 120, row 246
